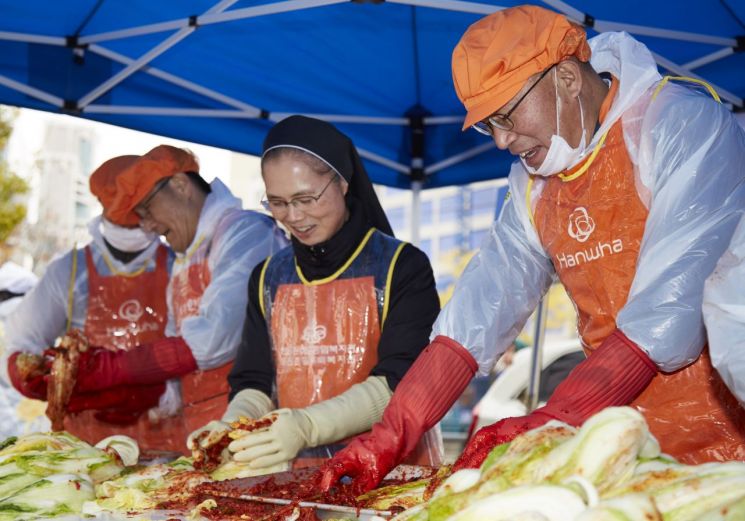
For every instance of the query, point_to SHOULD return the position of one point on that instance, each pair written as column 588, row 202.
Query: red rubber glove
column 432, row 384
column 616, row 373
column 31, row 387
column 147, row 364
column 121, row 405
column 130, row 398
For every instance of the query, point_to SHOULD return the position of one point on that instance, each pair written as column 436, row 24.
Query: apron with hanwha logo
column 591, row 222
column 324, row 333
column 125, row 310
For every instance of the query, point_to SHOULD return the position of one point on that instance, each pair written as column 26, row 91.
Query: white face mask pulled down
column 127, row 239
column 560, row 155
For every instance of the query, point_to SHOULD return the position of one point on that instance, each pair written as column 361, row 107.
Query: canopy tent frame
column 239, row 109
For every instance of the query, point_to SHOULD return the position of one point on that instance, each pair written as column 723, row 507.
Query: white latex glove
column 352, row 412
column 248, row 403
column 278, row 443
column 215, row 430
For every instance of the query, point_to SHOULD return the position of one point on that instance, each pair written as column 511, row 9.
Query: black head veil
column 326, row 142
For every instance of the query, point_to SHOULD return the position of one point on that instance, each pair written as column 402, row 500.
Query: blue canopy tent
column 221, row 73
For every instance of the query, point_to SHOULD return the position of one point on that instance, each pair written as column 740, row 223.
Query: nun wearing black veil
column 334, row 320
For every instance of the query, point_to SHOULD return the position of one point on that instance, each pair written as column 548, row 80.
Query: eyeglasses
column 301, row 202
column 503, row 121
column 143, row 208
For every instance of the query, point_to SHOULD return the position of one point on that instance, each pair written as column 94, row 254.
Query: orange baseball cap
column 497, row 55
column 140, row 176
column 102, row 183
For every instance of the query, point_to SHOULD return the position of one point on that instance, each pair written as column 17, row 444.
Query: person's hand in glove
column 615, row 374
column 353, row 411
column 424, row 395
column 151, row 363
column 28, row 373
column 248, row 403
column 278, row 443
column 207, row 435
column 503, row 431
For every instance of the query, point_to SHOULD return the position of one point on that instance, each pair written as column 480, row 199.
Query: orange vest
column 124, row 312
column 325, row 333
column 592, row 227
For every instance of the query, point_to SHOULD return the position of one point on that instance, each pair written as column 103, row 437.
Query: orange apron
column 325, row 333
column 124, row 312
column 204, row 393
column 592, row 227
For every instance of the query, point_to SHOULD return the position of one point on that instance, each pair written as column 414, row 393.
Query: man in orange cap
column 628, row 189
column 217, row 244
column 114, row 290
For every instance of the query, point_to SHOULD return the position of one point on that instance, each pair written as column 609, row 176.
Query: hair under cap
column 500, row 52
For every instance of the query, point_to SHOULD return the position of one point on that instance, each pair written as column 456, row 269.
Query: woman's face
column 309, row 205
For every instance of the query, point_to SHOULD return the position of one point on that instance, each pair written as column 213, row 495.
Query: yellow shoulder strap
column 388, row 281
column 261, row 285
column 689, row 79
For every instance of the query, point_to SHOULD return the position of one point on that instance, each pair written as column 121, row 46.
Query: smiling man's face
column 535, row 118
column 172, row 210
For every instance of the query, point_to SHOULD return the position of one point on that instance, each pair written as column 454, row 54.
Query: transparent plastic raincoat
column 686, row 153
column 208, row 294
column 118, row 306
column 43, row 314
column 724, row 315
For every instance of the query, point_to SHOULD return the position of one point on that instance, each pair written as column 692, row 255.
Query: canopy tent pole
column 604, row 26
column 171, row 111
column 709, row 58
column 209, row 18
column 175, row 80
column 458, row 158
column 343, row 118
column 416, row 115
column 393, row 165
column 246, row 110
column 444, row 120
column 536, row 357
column 125, row 73
column 32, row 91
column 416, row 189
column 678, row 69
column 452, row 5
column 146, row 58
column 33, row 38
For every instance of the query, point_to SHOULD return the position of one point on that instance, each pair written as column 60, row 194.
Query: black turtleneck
column 321, row 260
column 412, row 309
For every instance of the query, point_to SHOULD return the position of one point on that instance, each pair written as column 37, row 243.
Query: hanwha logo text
column 581, row 224
column 130, row 310
column 314, row 334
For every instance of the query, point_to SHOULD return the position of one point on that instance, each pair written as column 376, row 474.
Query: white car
column 501, row 400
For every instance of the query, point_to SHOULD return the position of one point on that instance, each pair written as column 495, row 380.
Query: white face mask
column 560, row 155
column 127, row 239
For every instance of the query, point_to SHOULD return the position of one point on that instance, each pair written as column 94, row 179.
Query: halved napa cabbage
column 50, row 496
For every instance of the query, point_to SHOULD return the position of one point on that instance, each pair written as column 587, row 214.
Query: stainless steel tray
column 322, row 510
